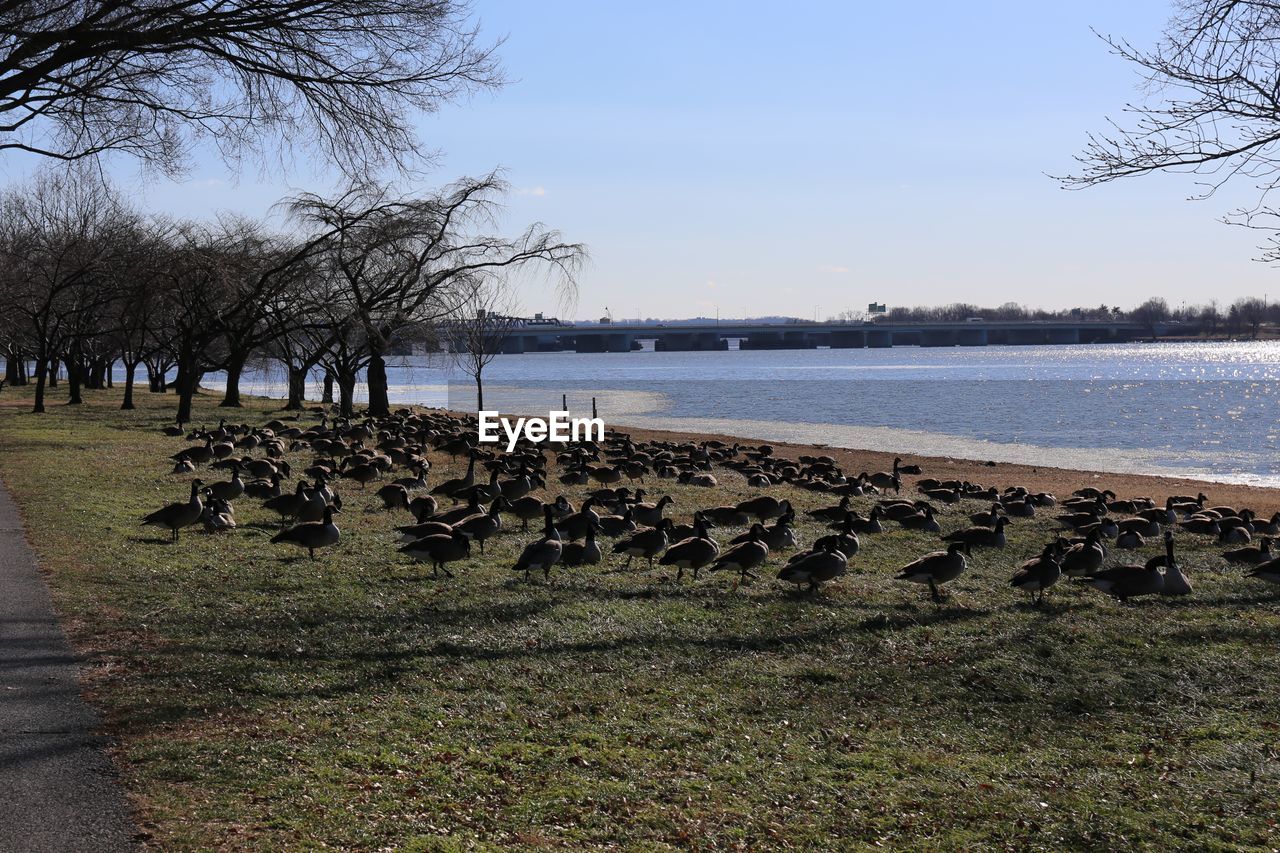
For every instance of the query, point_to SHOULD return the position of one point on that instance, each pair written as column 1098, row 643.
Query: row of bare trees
column 89, row 282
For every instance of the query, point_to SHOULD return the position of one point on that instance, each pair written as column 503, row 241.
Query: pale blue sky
column 770, row 158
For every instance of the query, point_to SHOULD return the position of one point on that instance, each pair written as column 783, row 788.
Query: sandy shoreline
column 1058, row 481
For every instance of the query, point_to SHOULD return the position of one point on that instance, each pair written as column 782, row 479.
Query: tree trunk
column 327, row 395
column 347, row 392
column 235, row 367
column 186, row 387
column 106, row 372
column 42, row 370
column 479, row 393
column 75, row 379
column 376, row 377
column 11, row 362
column 297, row 388
column 129, row 368
column 52, row 378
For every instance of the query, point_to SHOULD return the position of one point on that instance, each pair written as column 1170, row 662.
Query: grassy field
column 261, row 700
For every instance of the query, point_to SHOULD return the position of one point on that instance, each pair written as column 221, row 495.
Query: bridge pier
column 879, row 340
column 848, row 340
column 1063, row 336
column 972, row 337
column 937, row 338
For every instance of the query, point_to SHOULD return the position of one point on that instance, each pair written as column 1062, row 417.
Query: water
column 1205, row 410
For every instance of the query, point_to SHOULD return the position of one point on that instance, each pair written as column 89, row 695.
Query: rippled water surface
column 1207, row 410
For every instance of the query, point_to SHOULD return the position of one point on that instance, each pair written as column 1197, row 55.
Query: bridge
column 622, row 337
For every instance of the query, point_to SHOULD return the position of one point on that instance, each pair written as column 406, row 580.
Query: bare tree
column 479, row 332
column 149, row 77
column 1251, row 312
column 405, row 263
column 1213, row 105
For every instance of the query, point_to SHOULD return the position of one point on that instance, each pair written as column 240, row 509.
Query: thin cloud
column 536, row 191
column 833, row 269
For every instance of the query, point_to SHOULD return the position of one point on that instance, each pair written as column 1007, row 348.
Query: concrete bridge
column 594, row 338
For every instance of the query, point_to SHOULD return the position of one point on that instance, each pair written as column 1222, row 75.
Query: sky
column 803, row 159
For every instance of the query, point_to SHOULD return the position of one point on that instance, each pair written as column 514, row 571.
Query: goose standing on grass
column 544, row 553
column 1175, row 582
column 439, row 550
column 478, row 528
column 693, row 553
column 1126, row 582
column 937, row 568
column 1084, row 557
column 647, row 542
column 228, row 490
column 393, row 496
column 815, row 568
column 311, row 534
column 745, row 556
column 176, row 516
column 585, row 553
column 1039, row 573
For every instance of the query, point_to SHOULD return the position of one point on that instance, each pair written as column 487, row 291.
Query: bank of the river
column 263, row 701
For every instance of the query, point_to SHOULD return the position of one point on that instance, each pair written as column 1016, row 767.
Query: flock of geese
column 451, row 517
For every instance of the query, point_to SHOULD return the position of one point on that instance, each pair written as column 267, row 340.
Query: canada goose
column 480, row 527
column 649, row 514
column 831, row 513
column 176, row 516
column 543, row 553
column 1125, row 582
column 1252, row 555
column 1175, row 582
column 744, row 556
column 693, row 553
column 228, row 490
column 706, row 481
column 1144, row 527
column 883, row 480
column 311, row 534
column 988, row 518
column 1105, row 527
column 586, row 553
column 287, row 505
column 936, row 568
column 393, row 496
column 173, row 430
column 1163, row 515
column 413, row 532
column 183, row 466
column 1083, row 558
column 1268, row 571
column 200, row 454
column 448, row 487
column 1237, row 534
column 1130, row 540
column 413, row 484
column 218, row 516
column 605, row 474
column 726, row 516
column 1039, row 573
column 528, row 508
column 921, row 521
column 574, row 526
column 315, row 501
column 647, row 542
column 845, row 540
column 456, row 514
column 485, row 492
column 439, row 550
column 1270, row 527
column 763, row 507
column 858, row 524
column 264, row 489
column 1203, row 525
column 1020, row 509
column 987, row 537
column 362, row 472
column 896, row 509
column 519, row 486
column 614, row 526
column 815, row 568
column 423, row 507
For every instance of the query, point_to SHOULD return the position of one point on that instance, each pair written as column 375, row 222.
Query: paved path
column 57, row 787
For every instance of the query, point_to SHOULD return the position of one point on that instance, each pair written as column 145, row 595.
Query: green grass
column 260, row 700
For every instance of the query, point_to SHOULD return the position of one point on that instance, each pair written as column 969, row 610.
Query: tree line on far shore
column 1244, row 316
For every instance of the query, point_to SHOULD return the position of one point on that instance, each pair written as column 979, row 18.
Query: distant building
column 876, row 308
